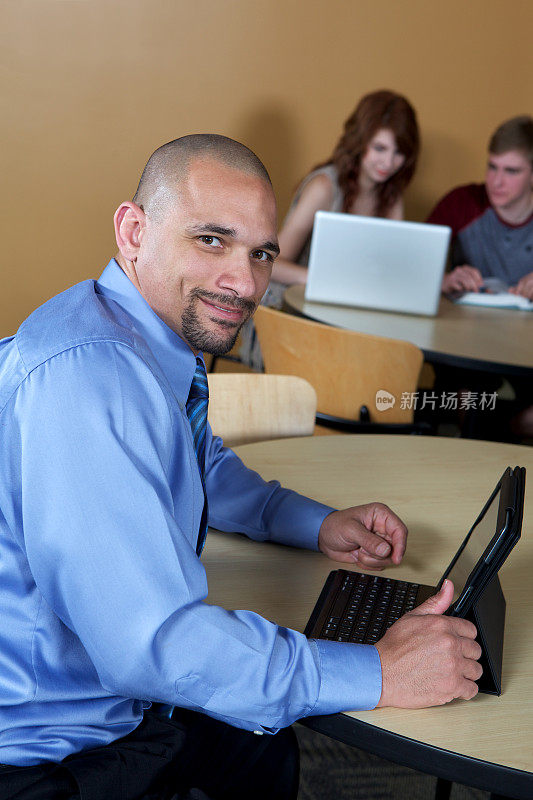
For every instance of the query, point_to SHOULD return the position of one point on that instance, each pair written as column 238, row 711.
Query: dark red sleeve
column 460, row 207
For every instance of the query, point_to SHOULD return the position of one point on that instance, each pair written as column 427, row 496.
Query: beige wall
column 91, row 87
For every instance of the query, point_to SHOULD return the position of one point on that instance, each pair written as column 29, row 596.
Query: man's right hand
column 428, row 659
column 462, row 279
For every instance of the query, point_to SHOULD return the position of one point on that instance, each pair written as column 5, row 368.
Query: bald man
column 108, row 483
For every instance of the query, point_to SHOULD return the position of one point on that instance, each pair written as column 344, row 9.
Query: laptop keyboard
column 365, row 606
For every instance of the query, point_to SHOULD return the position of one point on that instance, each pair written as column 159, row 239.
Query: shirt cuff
column 297, row 520
column 350, row 676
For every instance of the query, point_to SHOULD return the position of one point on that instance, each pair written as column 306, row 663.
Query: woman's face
column 382, row 158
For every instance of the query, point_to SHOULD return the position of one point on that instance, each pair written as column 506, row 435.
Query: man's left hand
column 524, row 286
column 371, row 536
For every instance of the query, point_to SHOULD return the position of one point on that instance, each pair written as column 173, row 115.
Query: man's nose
column 498, row 177
column 238, row 275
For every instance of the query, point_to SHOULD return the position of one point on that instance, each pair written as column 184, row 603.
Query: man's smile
column 225, row 311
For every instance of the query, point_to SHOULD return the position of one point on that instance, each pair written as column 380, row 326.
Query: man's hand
column 524, row 286
column 371, row 536
column 462, row 279
column 428, row 659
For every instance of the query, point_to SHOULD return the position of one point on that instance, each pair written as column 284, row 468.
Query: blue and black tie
column 197, row 414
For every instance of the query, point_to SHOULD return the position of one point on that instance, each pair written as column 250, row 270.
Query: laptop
column 359, row 607
column 377, row 263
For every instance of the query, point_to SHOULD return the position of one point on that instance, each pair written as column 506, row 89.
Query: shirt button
column 258, row 733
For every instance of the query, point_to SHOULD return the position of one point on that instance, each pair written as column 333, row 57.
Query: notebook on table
column 359, row 607
column 493, row 293
column 503, row 300
column 377, row 263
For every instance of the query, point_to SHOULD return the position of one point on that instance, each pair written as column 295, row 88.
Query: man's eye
column 212, row 241
column 261, row 255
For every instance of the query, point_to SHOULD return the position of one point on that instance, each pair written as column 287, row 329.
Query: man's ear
column 130, row 221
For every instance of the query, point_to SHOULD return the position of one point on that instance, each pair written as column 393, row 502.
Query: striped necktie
column 197, row 413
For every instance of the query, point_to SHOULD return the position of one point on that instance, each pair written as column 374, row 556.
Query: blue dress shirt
column 101, row 603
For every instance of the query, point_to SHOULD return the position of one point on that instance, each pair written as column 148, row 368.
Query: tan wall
column 93, row 86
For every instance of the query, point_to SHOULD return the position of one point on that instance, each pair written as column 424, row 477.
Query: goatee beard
column 200, row 338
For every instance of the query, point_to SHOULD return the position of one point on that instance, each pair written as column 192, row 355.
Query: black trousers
column 190, row 757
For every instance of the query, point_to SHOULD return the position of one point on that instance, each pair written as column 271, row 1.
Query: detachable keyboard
column 356, row 607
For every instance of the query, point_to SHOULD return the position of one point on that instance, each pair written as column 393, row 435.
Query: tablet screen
column 478, row 540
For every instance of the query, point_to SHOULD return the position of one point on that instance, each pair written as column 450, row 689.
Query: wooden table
column 438, row 486
column 489, row 339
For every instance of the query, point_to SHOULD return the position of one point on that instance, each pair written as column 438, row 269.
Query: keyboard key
column 366, row 606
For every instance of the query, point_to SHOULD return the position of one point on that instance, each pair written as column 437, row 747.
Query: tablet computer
column 359, row 607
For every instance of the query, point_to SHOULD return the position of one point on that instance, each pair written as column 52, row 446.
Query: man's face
column 204, row 266
column 509, row 181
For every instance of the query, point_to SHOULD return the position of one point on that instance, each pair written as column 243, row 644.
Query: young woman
column 371, row 165
column 367, row 174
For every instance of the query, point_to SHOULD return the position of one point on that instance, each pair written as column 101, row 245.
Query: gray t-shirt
column 483, row 240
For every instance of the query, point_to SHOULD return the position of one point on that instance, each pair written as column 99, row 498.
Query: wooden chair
column 349, row 371
column 251, row 407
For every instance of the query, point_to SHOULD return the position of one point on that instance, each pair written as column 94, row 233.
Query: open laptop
column 359, row 607
column 377, row 263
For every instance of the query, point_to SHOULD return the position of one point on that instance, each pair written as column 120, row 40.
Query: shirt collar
column 172, row 353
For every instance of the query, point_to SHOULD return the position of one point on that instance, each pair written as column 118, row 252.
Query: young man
column 492, row 223
column 109, row 477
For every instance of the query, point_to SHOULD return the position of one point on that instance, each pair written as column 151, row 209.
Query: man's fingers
column 389, row 533
column 470, row 690
column 370, row 535
column 470, row 283
column 438, row 603
column 390, row 526
column 524, row 287
column 470, row 648
column 472, row 670
column 372, row 543
column 358, row 557
column 468, row 278
column 462, row 279
column 365, row 561
column 429, row 659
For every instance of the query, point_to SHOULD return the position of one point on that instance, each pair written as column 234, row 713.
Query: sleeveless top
column 336, row 204
column 250, row 352
column 275, row 290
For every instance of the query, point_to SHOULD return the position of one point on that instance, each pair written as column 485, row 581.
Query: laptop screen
column 382, row 264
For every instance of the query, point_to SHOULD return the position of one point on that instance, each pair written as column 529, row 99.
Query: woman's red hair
column 377, row 111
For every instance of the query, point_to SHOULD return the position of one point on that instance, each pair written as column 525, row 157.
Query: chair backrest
column 251, row 407
column 347, row 369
